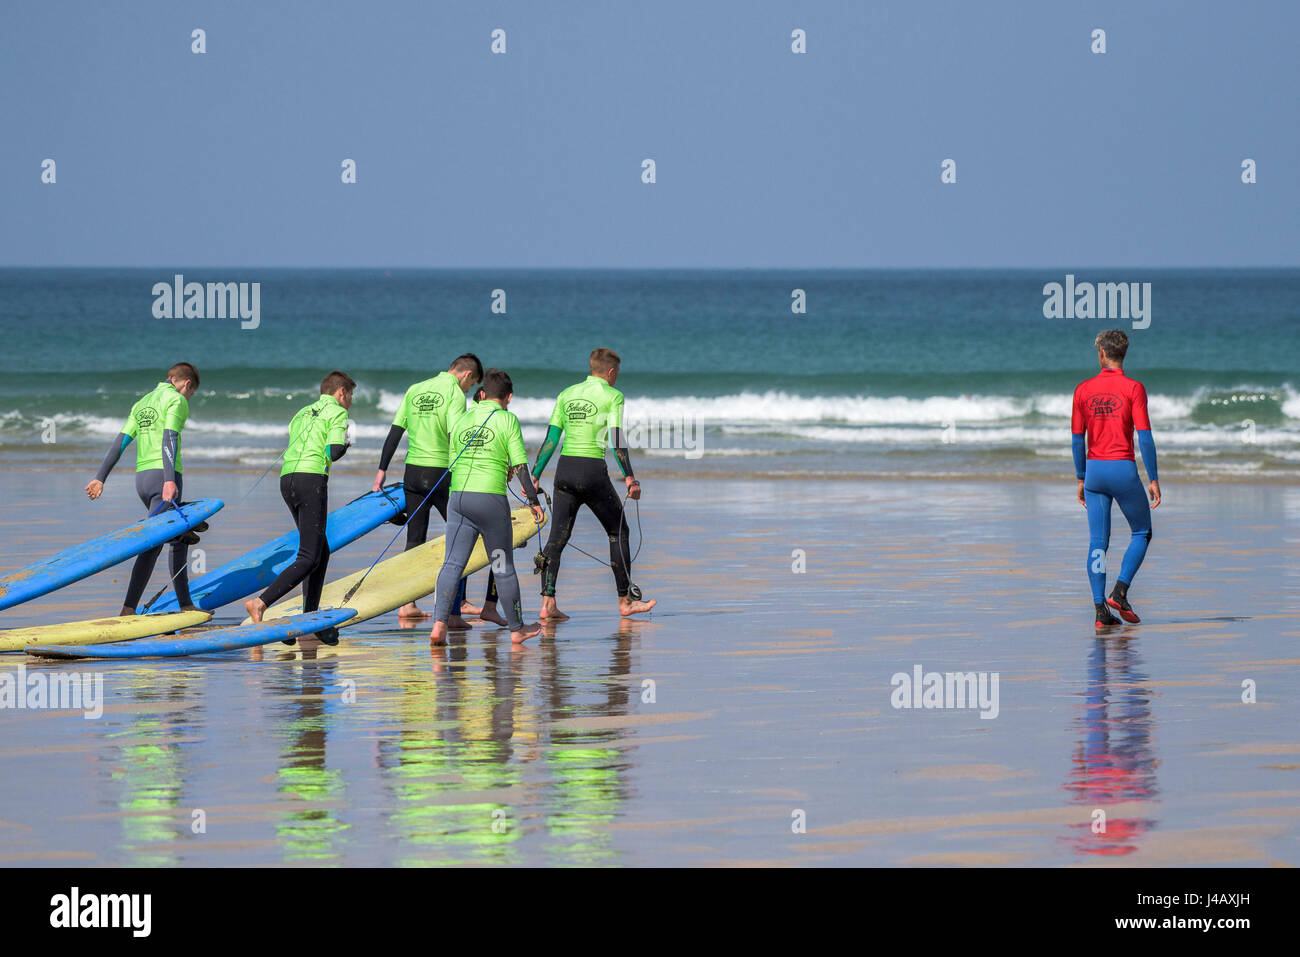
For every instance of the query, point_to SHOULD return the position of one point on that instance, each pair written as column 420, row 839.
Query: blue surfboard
column 251, row 573
column 84, row 560
column 205, row 642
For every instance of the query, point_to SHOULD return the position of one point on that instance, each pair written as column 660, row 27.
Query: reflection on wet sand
column 1114, row 760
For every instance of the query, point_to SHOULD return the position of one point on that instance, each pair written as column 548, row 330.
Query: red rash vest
column 1107, row 408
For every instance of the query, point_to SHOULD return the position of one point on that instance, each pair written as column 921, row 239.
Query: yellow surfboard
column 406, row 577
column 101, row 630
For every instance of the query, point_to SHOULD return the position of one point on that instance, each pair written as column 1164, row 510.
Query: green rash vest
column 427, row 412
column 588, row 413
column 489, row 452
column 162, row 409
column 311, row 433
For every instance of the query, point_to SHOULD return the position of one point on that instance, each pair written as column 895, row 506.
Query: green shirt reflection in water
column 432, row 766
column 588, row 793
column 310, row 834
column 151, row 778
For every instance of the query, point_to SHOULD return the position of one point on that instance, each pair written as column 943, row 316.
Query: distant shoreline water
column 888, row 373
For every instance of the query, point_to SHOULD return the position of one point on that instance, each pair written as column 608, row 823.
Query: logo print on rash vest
column 476, row 437
column 1104, row 404
column 579, row 409
column 427, row 401
column 146, row 418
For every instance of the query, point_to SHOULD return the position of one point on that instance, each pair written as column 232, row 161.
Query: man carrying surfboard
column 589, row 415
column 317, row 437
column 428, row 410
column 155, row 423
column 492, row 452
column 1107, row 409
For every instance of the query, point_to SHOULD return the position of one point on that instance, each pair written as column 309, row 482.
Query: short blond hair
column 602, row 360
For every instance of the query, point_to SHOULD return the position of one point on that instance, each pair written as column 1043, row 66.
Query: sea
column 837, row 374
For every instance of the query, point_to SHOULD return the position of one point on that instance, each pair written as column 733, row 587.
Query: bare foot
column 470, row 611
column 524, row 633
column 550, row 612
column 410, row 610
column 626, row 607
column 126, row 612
column 439, row 634
column 490, row 613
column 255, row 607
column 457, row 622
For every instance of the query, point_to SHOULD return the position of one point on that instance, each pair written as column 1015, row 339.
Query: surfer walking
column 428, row 410
column 1108, row 408
column 492, row 453
column 155, row 424
column 317, row 438
column 589, row 416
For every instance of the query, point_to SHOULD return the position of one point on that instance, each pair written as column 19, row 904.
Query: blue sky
column 1065, row 158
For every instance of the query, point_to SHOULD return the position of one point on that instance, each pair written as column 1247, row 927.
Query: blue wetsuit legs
column 1106, row 481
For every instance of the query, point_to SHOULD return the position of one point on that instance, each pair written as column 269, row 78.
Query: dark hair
column 602, row 360
column 497, row 384
column 336, row 380
column 1113, row 342
column 467, row 363
column 183, row 371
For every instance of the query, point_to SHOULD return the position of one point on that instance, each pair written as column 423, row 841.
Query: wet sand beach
column 748, row 720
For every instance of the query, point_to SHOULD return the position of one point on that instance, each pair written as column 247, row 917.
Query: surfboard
column 83, row 560
column 203, row 643
column 101, row 630
column 252, row 572
column 406, row 577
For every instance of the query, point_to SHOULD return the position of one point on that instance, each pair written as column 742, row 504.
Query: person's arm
column 553, row 433
column 338, row 436
column 518, row 459
column 1142, row 425
column 395, row 434
column 526, row 480
column 1080, row 455
column 115, row 451
column 618, row 441
column 1147, row 445
column 554, row 429
column 1078, row 426
column 171, row 443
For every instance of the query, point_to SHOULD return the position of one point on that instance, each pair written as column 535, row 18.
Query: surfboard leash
column 539, row 560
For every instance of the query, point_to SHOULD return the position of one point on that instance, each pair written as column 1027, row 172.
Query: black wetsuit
column 584, row 481
column 307, row 495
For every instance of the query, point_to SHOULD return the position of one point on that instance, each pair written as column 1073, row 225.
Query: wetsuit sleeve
column 553, row 433
column 176, row 414
column 1080, row 456
column 518, row 455
column 1141, row 420
column 399, row 417
column 338, row 433
column 171, row 442
column 337, row 451
column 114, row 453
column 526, row 480
column 1077, row 424
column 1147, row 444
column 390, row 446
column 619, row 443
